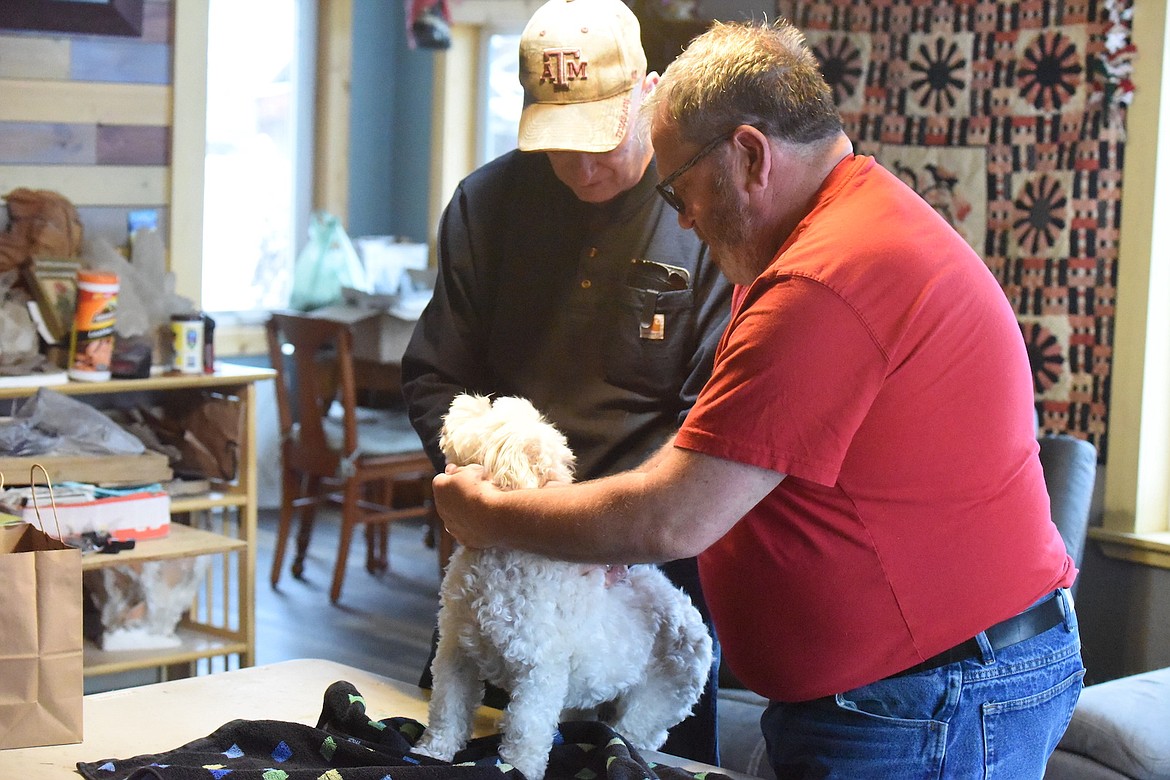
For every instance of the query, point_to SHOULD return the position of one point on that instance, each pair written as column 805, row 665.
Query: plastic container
column 187, row 331
column 208, row 345
column 91, row 342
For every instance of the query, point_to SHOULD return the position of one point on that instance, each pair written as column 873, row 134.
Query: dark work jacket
column 535, row 298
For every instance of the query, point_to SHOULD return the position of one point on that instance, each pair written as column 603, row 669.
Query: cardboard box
column 134, row 516
column 387, row 260
column 378, row 334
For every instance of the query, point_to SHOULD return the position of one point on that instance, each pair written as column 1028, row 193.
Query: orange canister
column 91, row 343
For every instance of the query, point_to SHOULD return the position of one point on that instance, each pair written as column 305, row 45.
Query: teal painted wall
column 390, row 125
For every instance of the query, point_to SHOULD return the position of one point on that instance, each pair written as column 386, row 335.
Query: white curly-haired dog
column 557, row 635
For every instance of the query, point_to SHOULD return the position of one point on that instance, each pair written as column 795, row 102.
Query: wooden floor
column 382, row 623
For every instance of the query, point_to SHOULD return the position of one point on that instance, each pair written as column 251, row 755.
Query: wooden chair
column 334, row 452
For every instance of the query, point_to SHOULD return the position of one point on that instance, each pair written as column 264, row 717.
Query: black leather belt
column 1029, row 623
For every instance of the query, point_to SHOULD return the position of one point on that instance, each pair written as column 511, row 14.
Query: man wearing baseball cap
column 564, row 278
column 581, row 66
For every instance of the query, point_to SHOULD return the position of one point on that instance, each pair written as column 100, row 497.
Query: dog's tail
column 684, row 646
column 674, row 679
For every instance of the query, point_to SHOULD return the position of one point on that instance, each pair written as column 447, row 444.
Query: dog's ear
column 467, row 406
column 525, row 451
column 508, row 460
column 517, row 409
column 463, row 434
column 522, row 465
column 563, row 467
column 552, row 459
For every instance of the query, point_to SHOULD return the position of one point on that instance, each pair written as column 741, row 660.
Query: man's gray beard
column 731, row 240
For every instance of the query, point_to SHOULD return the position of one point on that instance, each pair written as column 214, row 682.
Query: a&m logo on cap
column 562, row 66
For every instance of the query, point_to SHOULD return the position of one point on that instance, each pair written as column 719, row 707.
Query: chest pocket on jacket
column 649, row 349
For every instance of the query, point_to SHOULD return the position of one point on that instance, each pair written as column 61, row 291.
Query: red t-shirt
column 878, row 364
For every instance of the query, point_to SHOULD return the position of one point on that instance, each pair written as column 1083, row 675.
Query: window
column 256, row 175
column 502, row 95
column 475, row 120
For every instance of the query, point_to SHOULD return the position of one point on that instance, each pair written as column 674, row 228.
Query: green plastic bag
column 326, row 264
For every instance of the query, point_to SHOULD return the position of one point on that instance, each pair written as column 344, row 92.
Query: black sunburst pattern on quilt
column 841, row 66
column 1051, row 71
column 1044, row 356
column 1041, row 210
column 938, row 67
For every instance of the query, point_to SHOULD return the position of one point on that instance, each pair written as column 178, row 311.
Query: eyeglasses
column 666, row 186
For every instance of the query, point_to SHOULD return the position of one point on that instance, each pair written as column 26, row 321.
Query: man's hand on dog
column 460, row 495
column 462, row 498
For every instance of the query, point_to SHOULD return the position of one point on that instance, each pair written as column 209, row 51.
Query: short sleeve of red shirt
column 797, row 354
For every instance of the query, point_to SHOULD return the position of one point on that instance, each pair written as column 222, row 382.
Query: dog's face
column 516, row 446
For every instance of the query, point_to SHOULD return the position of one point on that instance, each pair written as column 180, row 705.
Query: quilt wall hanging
column 1007, row 116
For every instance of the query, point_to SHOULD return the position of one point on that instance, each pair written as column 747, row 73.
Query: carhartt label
column 562, row 66
column 656, row 331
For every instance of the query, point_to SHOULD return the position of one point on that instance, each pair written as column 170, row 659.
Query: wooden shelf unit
column 183, row 541
column 220, row 524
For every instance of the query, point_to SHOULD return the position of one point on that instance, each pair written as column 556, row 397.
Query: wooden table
column 163, row 716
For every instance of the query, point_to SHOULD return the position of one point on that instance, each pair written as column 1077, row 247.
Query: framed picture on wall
column 53, row 287
column 92, row 17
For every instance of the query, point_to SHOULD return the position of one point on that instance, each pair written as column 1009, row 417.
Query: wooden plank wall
column 89, row 116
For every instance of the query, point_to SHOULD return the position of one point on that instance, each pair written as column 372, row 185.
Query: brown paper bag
column 211, row 444
column 203, row 438
column 41, row 676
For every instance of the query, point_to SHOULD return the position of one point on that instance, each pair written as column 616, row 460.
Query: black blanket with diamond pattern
column 347, row 744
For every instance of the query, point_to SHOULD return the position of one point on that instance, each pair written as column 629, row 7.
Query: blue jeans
column 998, row 716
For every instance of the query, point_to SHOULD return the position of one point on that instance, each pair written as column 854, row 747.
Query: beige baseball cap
column 579, row 63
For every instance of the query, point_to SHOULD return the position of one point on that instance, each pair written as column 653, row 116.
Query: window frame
column 237, row 333
column 1136, row 518
column 483, row 96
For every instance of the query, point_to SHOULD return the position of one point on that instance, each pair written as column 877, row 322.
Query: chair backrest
column 313, row 358
column 1070, row 472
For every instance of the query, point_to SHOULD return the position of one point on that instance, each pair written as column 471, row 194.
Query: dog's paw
column 531, row 765
column 429, row 745
column 647, row 741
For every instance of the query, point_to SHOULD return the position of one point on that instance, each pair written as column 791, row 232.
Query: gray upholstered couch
column 1121, row 729
column 741, row 743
